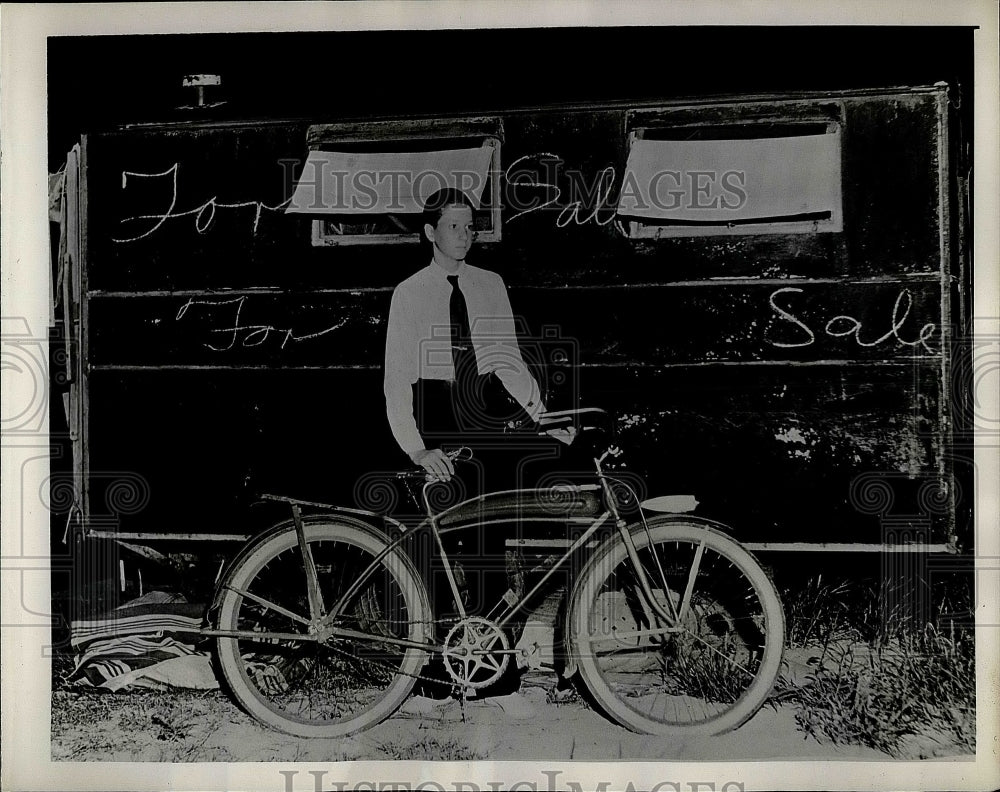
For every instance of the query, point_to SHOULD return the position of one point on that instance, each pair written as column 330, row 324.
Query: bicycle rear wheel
column 310, row 688
column 706, row 670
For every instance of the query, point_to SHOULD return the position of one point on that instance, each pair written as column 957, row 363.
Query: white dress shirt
column 418, row 342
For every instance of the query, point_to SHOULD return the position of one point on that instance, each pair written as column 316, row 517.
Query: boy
column 451, row 355
column 454, row 375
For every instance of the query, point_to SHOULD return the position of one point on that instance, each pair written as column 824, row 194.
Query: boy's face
column 453, row 233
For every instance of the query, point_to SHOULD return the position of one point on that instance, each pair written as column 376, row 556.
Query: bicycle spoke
column 269, row 605
column 689, row 588
column 340, row 685
column 662, row 578
column 725, row 657
column 620, row 636
column 702, row 673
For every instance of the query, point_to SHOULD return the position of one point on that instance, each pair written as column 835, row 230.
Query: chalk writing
column 247, row 335
column 844, row 325
column 517, row 176
column 203, row 214
column 543, row 193
column 788, row 317
column 571, row 212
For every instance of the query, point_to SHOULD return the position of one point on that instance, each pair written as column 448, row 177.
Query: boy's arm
column 401, row 371
column 515, row 375
column 400, row 374
column 510, row 368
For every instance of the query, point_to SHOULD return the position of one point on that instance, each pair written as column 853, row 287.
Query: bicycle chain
column 393, row 668
column 389, row 666
column 452, row 620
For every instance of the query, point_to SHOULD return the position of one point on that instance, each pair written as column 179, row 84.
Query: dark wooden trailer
column 795, row 371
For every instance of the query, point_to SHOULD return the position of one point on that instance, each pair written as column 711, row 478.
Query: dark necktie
column 466, row 397
column 461, row 335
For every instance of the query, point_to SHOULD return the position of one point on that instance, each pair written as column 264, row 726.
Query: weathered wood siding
column 786, row 380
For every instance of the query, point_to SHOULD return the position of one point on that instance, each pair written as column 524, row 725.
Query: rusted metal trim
column 675, row 103
column 225, row 367
column 167, row 537
column 630, row 364
column 798, row 547
column 720, row 280
column 945, row 429
column 83, row 267
column 255, row 291
column 403, row 129
column 849, row 547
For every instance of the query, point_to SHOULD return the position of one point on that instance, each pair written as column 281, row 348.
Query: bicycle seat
column 583, row 419
column 559, row 502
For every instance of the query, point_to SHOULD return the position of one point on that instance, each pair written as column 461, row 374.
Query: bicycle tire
column 707, row 678
column 306, row 688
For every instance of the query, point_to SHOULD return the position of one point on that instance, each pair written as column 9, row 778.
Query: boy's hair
column 440, row 200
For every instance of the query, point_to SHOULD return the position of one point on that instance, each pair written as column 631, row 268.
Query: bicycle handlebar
column 463, row 454
column 580, row 420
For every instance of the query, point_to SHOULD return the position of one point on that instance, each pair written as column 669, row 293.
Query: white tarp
column 361, row 183
column 730, row 180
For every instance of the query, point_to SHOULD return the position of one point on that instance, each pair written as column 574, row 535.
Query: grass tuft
column 884, row 674
column 446, row 750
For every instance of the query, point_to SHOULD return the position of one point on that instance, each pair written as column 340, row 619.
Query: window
column 366, row 183
column 726, row 170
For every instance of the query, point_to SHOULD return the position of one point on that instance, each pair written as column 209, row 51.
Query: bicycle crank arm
column 496, row 652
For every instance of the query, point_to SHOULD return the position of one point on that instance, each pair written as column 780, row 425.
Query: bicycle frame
column 320, row 623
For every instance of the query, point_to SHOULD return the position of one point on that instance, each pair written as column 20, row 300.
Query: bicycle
column 323, row 624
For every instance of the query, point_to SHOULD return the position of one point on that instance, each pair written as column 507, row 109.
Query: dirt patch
column 542, row 723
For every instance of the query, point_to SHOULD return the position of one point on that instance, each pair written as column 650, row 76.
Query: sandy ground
column 544, row 722
column 541, row 724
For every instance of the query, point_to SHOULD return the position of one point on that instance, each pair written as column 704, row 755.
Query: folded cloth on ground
column 148, row 642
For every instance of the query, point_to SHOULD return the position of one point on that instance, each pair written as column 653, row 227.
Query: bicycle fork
column 676, row 618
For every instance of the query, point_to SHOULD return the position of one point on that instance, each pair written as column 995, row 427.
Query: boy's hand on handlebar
column 435, row 461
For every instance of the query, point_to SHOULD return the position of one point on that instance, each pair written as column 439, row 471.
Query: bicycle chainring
column 476, row 652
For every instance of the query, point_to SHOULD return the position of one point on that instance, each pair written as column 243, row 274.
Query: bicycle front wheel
column 334, row 687
column 705, row 669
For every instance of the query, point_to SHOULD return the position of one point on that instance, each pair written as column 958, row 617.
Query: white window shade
column 723, row 182
column 381, row 183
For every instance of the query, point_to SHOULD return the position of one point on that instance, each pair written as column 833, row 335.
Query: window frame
column 786, row 115
column 395, row 134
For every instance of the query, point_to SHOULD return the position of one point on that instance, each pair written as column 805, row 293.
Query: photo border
column 25, row 536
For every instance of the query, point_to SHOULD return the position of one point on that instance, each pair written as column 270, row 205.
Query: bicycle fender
column 282, row 527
